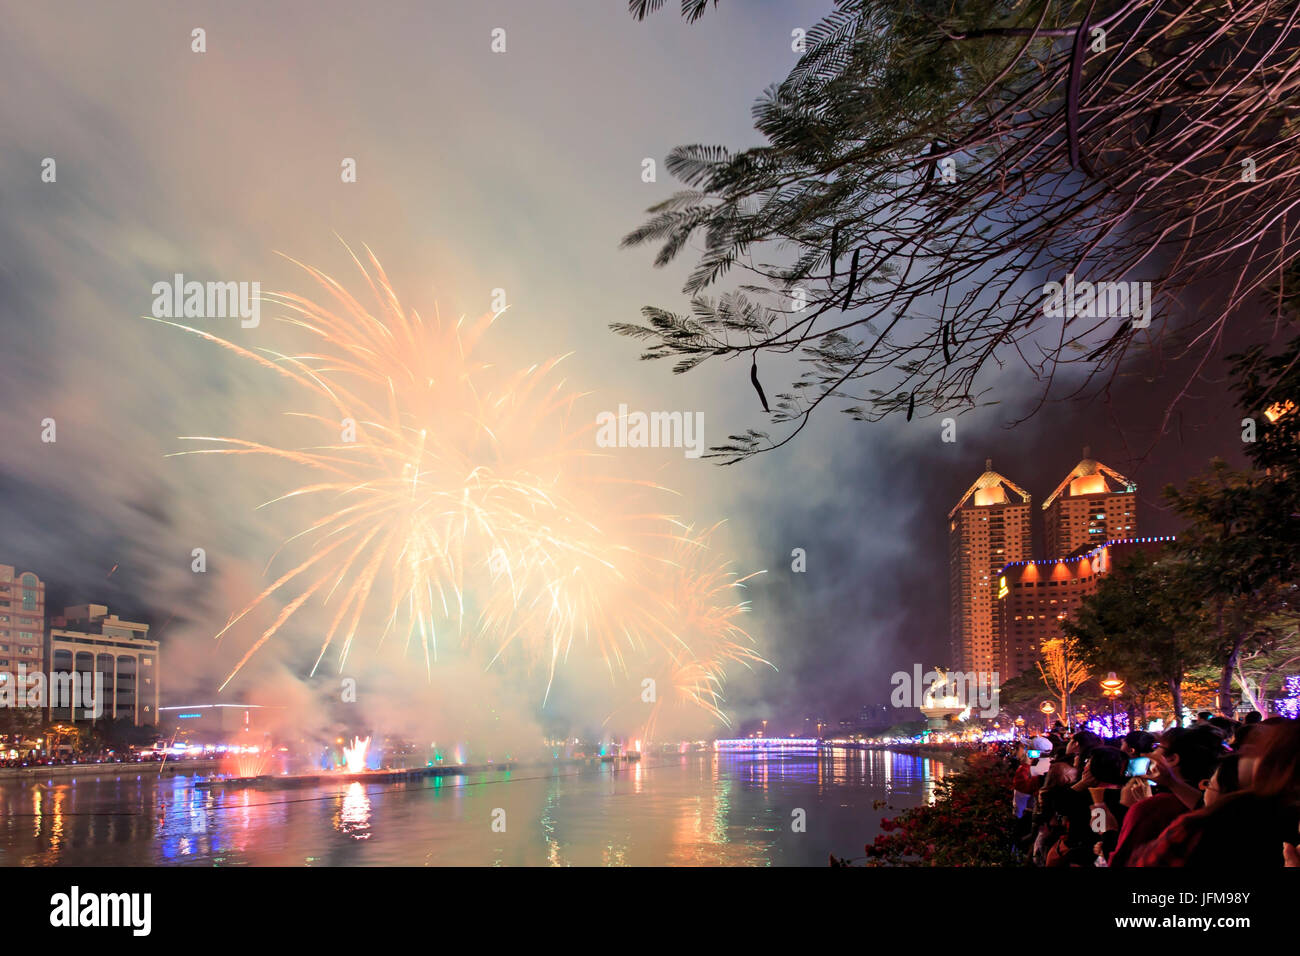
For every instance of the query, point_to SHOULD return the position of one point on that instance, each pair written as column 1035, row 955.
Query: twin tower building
column 1005, row 602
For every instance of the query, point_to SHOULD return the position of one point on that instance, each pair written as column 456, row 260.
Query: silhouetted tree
column 927, row 166
column 1145, row 623
column 1242, row 542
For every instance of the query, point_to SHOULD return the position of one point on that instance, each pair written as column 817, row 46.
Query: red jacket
column 1025, row 782
column 1145, row 821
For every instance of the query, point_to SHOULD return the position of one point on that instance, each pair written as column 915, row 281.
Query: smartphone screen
column 1137, row 766
column 1033, row 754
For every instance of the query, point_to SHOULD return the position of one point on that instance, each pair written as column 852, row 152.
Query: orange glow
column 1111, row 684
column 356, row 754
column 1088, row 485
column 249, row 762
column 1279, row 409
column 472, row 488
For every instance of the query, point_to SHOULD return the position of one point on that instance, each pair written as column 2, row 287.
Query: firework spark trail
column 354, row 757
column 466, row 486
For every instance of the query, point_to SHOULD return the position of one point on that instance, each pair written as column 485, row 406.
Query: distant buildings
column 84, row 640
column 87, row 639
column 870, row 717
column 876, row 716
column 219, row 723
column 1005, row 603
column 22, row 624
column 1034, row 597
column 1091, row 505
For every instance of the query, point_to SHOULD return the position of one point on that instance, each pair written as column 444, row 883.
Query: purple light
column 1101, row 725
column 1100, row 547
column 768, row 743
column 1289, row 706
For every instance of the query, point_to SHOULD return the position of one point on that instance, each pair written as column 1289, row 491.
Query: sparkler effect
column 461, row 498
column 355, row 756
column 247, row 762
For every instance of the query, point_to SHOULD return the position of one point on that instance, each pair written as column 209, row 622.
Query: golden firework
column 458, row 496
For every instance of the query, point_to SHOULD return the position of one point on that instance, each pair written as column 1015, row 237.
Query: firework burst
column 458, row 498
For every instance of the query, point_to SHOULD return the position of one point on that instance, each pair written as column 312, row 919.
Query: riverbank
column 969, row 823
column 63, row 771
column 955, row 757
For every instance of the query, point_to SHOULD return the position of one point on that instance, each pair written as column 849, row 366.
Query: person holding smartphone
column 1252, row 829
column 1138, row 743
column 1182, row 763
column 1093, row 811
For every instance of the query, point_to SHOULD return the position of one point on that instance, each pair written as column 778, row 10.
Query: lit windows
column 29, row 583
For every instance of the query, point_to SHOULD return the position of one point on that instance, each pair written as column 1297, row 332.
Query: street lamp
column 1111, row 687
column 1048, row 708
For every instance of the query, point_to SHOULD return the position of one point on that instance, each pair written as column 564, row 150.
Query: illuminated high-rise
column 989, row 527
column 1092, row 505
column 1034, row 597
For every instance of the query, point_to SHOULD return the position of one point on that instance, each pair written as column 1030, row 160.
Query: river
column 692, row 810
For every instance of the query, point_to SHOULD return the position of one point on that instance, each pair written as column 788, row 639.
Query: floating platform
column 289, row 781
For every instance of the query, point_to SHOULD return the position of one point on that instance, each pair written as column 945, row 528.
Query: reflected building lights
column 720, row 807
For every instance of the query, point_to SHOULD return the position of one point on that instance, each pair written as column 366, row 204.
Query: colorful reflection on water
column 679, row 810
column 353, row 817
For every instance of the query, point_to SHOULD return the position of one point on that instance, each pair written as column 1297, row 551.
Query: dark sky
column 476, row 172
column 876, row 592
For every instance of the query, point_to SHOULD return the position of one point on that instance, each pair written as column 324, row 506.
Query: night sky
column 475, row 172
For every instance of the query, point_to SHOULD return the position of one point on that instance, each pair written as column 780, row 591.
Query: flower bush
column 969, row 824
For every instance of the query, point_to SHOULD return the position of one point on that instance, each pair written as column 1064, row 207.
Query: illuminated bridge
column 769, row 744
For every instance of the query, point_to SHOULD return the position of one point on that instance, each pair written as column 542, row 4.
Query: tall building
column 87, row 639
column 987, row 529
column 1034, row 597
column 22, row 624
column 1094, row 504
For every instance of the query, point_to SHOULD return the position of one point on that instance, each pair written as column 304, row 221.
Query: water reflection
column 894, row 773
column 682, row 810
column 353, row 817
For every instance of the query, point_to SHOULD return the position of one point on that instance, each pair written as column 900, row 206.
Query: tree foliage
column 1261, row 667
column 1241, row 544
column 927, row 166
column 1062, row 671
column 1145, row 623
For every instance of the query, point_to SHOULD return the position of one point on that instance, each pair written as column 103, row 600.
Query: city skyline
column 1037, row 530
column 114, row 519
column 634, row 434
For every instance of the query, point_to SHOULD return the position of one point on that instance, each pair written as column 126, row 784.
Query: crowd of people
column 89, row 757
column 1215, row 793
